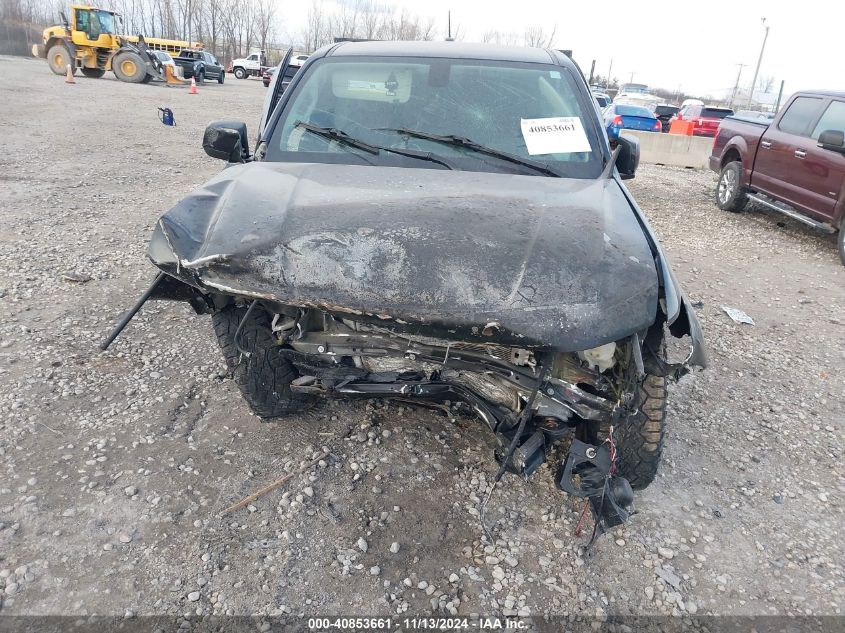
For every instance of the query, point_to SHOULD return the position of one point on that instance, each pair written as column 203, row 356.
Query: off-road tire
column 639, row 438
column 58, row 57
column 221, row 77
column 129, row 67
column 93, row 73
column 730, row 194
column 240, row 73
column 265, row 376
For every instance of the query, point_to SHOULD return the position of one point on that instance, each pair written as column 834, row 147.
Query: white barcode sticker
column 556, row 135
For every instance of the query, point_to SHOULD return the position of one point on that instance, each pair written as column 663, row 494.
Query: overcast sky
column 694, row 45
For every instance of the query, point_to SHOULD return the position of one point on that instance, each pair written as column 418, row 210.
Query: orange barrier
column 193, row 89
column 679, row 126
column 69, row 76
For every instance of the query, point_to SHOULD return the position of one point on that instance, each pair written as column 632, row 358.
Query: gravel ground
column 115, row 467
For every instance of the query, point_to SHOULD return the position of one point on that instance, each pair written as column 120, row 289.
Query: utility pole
column 632, row 77
column 780, row 96
column 609, row 68
column 449, row 26
column 759, row 61
column 736, row 85
column 592, row 72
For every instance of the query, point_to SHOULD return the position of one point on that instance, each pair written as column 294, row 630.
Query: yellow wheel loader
column 88, row 41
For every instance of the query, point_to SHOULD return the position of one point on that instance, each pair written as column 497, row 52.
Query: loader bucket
column 172, row 79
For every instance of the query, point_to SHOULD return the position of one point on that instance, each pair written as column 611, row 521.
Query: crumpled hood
column 539, row 261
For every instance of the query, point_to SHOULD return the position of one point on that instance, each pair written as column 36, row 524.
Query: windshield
column 665, row 110
column 639, row 88
column 105, row 20
column 716, row 113
column 512, row 108
column 626, row 110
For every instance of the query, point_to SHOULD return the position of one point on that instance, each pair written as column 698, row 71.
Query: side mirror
column 834, row 140
column 226, row 140
column 629, row 156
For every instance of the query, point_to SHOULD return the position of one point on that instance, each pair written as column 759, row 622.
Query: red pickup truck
column 795, row 165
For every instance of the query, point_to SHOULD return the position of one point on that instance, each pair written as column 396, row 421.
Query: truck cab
column 251, row 65
column 91, row 26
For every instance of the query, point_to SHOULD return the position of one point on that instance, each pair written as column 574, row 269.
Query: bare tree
column 317, row 27
column 505, row 38
column 265, row 19
column 536, row 36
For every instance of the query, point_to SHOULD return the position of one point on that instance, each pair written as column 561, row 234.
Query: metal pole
column 609, row 68
column 780, row 95
column 132, row 312
column 592, row 72
column 759, row 61
column 736, row 85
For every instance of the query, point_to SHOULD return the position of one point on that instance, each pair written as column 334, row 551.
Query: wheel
column 240, row 73
column 93, row 73
column 730, row 195
column 221, row 77
column 639, row 438
column 841, row 242
column 264, row 377
column 200, row 76
column 58, row 57
column 128, row 66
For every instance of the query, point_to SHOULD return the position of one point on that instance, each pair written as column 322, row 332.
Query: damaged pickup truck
column 441, row 222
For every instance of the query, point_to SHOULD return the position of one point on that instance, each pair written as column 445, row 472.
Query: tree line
column 234, row 28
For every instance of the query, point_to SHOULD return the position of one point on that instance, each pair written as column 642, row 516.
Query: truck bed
column 744, row 135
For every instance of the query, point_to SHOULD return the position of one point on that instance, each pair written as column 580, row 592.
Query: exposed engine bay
column 530, row 398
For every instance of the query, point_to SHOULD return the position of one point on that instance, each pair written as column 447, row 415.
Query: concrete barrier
column 673, row 149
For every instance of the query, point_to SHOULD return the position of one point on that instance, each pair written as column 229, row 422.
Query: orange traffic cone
column 69, row 77
column 193, row 89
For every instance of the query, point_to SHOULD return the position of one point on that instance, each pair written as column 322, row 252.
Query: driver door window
column 82, row 22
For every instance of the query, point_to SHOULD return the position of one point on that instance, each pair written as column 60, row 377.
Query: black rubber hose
column 241, row 327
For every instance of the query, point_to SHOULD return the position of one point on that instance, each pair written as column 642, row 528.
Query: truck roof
column 451, row 50
column 822, row 93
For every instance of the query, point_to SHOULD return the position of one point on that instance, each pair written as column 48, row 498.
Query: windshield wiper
column 460, row 141
column 342, row 137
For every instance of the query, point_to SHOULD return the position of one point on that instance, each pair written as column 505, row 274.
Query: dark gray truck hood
column 537, row 261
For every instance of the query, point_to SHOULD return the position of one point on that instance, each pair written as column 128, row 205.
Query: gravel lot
column 115, row 467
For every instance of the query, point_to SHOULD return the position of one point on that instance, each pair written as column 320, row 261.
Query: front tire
column 730, row 194
column 221, row 77
column 841, row 242
column 264, row 377
column 240, row 73
column 639, row 437
column 129, row 67
column 58, row 57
